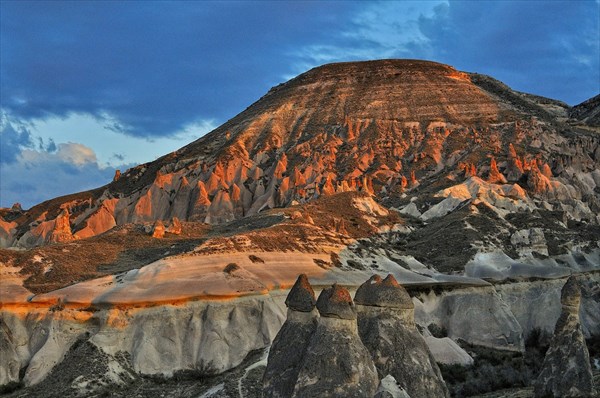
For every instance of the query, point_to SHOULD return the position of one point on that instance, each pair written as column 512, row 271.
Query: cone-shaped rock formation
column 336, row 363
column 566, row 371
column 387, row 328
column 289, row 347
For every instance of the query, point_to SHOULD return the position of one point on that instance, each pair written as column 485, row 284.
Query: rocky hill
column 478, row 199
column 383, row 127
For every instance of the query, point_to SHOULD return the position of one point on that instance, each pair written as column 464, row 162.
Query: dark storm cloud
column 153, row 66
column 549, row 48
column 13, row 139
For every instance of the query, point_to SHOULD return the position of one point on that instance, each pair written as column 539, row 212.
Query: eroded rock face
column 457, row 311
column 386, row 327
column 566, row 371
column 289, row 347
column 209, row 337
column 336, row 363
column 380, row 127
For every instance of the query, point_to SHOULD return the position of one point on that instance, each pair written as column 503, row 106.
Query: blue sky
column 87, row 87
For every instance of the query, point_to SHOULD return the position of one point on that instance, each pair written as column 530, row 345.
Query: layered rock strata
column 566, row 371
column 387, row 328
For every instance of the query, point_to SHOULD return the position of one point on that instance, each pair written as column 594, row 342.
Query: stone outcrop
column 389, row 388
column 566, row 371
column 175, row 227
column 289, row 347
column 514, row 168
column 336, row 363
column 158, row 229
column 62, row 228
column 495, row 177
column 387, row 328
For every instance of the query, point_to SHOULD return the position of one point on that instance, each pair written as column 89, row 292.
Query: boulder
column 566, row 371
column 389, row 388
column 387, row 328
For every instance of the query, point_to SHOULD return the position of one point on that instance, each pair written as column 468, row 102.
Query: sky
column 88, row 87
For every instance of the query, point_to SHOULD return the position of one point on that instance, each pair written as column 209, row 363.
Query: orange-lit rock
column 494, row 176
column 62, row 228
column 158, row 230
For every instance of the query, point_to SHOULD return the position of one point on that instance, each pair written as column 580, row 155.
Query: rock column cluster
column 325, row 358
column 345, row 349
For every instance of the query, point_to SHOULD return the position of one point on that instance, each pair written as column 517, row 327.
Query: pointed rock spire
column 413, row 180
column 566, row 371
column 62, row 228
column 328, row 188
column 302, row 296
column 495, row 177
column 158, row 230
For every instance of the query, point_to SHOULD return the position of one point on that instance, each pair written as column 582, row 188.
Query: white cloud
column 38, row 175
column 96, row 133
column 71, row 152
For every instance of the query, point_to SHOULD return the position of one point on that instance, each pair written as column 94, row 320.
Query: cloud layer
column 37, row 175
column 76, row 76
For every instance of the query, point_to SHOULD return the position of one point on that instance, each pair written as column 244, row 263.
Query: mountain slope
column 405, row 131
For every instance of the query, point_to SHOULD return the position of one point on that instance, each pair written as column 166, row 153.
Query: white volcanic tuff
column 492, row 315
column 37, row 339
column 459, row 310
column 536, row 305
column 504, row 315
column 493, row 263
column 388, row 388
column 502, row 198
column 210, row 336
column 529, row 240
column 447, row 352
